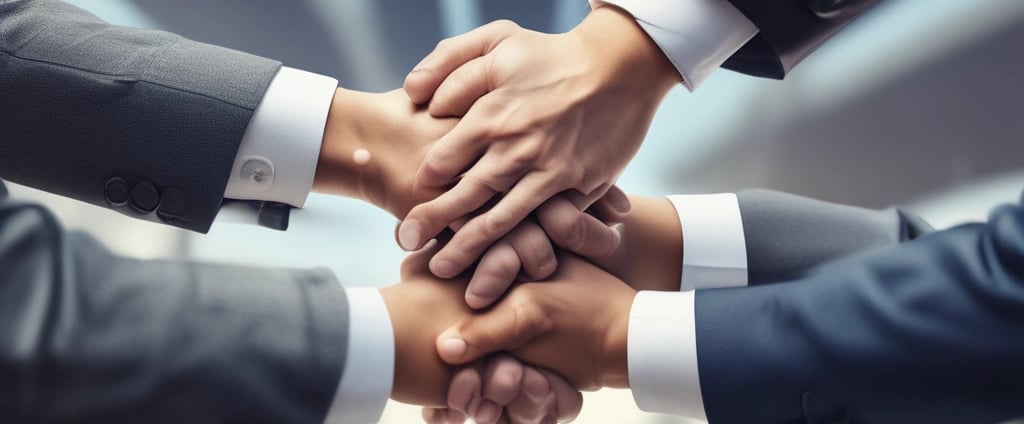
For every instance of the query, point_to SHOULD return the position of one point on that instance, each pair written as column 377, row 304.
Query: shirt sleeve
column 277, row 157
column 714, row 248
column 696, row 35
column 662, row 354
column 369, row 364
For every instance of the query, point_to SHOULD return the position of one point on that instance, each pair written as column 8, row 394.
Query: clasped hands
column 508, row 136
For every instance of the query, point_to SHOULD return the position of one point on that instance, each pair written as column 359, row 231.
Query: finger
column 451, row 53
column 535, row 401
column 480, row 232
column 497, row 271
column 435, row 415
column 426, row 220
column 612, row 207
column 573, row 230
column 466, row 143
column 507, row 326
column 462, row 88
column 464, row 391
column 568, row 400
column 502, row 379
column 488, row 412
column 533, row 247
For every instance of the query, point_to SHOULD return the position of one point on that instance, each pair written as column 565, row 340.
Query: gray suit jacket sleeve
column 787, row 235
column 144, row 122
column 87, row 336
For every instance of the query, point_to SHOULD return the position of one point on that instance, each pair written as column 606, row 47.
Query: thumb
column 508, row 326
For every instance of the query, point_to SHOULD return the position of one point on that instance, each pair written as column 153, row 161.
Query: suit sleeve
column 928, row 331
column 789, row 30
column 146, row 123
column 92, row 337
column 787, row 235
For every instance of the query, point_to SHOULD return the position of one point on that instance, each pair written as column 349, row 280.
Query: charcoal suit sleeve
column 146, row 123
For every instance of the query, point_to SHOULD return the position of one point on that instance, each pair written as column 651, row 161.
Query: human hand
column 420, row 307
column 642, row 246
column 526, row 253
column 543, row 113
column 502, row 389
column 395, row 133
column 574, row 324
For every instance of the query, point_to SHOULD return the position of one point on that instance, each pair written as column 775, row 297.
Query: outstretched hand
column 543, row 114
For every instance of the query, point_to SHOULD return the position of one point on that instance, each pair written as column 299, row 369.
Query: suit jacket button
column 827, row 9
column 145, row 197
column 116, row 192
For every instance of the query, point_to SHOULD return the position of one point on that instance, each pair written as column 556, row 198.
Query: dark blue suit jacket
column 930, row 330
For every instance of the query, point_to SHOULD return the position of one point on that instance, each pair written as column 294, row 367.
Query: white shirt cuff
column 714, row 249
column 662, row 354
column 370, row 363
column 277, row 157
column 696, row 35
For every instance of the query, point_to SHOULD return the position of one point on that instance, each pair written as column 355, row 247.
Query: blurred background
column 917, row 103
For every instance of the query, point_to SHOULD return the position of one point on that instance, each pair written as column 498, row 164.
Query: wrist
column 338, row 169
column 614, row 361
column 612, row 32
column 420, row 376
column 653, row 245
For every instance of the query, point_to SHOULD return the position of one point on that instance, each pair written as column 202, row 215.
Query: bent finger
column 480, row 232
column 451, row 53
column 426, row 220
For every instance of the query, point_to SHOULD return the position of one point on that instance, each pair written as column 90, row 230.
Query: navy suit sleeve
column 789, row 30
column 930, row 331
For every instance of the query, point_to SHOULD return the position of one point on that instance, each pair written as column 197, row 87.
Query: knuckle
column 527, row 318
column 443, row 45
column 505, row 24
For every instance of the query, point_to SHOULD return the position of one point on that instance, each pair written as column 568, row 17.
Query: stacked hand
column 510, row 179
column 542, row 115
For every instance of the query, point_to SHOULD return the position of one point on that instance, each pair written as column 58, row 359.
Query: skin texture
column 647, row 255
column 420, row 307
column 573, row 323
column 543, row 114
column 397, row 134
column 504, row 390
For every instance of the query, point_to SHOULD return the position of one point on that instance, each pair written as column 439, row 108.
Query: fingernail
column 409, row 234
column 444, row 268
column 487, row 412
column 453, row 348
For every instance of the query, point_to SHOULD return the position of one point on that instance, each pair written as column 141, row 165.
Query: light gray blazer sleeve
column 788, row 235
column 146, row 123
column 88, row 336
